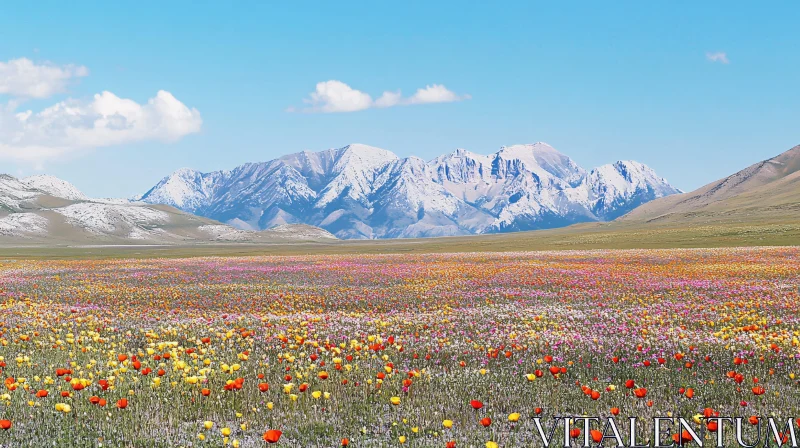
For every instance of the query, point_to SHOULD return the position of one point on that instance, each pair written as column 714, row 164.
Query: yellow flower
column 208, row 424
column 225, row 431
column 415, row 429
column 483, row 371
column 491, row 444
column 395, row 400
column 201, row 436
column 402, row 439
column 243, row 426
column 530, row 377
column 235, row 444
column 447, row 423
column 270, row 405
column 513, row 417
column 293, row 397
column 316, row 394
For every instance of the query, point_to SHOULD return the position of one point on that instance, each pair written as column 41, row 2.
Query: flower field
column 387, row 350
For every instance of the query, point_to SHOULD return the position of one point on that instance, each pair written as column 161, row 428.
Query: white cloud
column 73, row 126
column 718, row 56
column 24, row 78
column 336, row 96
column 436, row 93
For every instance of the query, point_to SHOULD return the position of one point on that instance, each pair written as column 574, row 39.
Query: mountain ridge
column 44, row 209
column 771, row 187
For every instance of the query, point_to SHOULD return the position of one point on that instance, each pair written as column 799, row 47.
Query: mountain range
column 363, row 192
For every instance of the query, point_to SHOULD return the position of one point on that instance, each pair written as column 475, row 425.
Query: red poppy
column 263, row 387
column 345, row 442
column 486, row 421
column 629, row 384
column 476, row 404
column 574, row 433
column 451, row 444
column 758, row 390
column 122, row 403
column 205, row 392
column 640, row 392
column 597, row 436
column 42, row 393
column 272, row 436
column 5, row 424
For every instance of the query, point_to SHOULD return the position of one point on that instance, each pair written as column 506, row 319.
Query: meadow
column 419, row 350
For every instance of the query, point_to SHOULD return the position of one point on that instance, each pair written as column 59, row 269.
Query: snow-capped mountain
column 360, row 191
column 46, row 209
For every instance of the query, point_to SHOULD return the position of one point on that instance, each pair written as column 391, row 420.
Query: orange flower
column 614, row 411
column 5, row 424
column 122, row 403
column 122, row 358
column 683, row 438
column 451, row 444
column 640, row 392
column 94, row 399
column 597, row 436
column 486, row 421
column 42, row 393
column 272, row 436
column 205, row 392
column 345, row 442
column 263, row 387
column 758, row 390
column 574, row 433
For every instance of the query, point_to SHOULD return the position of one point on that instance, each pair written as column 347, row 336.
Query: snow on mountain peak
column 185, row 188
column 54, row 186
column 544, row 160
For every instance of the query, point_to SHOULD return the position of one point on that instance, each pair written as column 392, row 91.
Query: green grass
column 616, row 235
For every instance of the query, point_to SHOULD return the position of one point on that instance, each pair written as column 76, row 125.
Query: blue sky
column 599, row 81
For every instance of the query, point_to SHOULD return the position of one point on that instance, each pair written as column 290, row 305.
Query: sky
column 113, row 96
